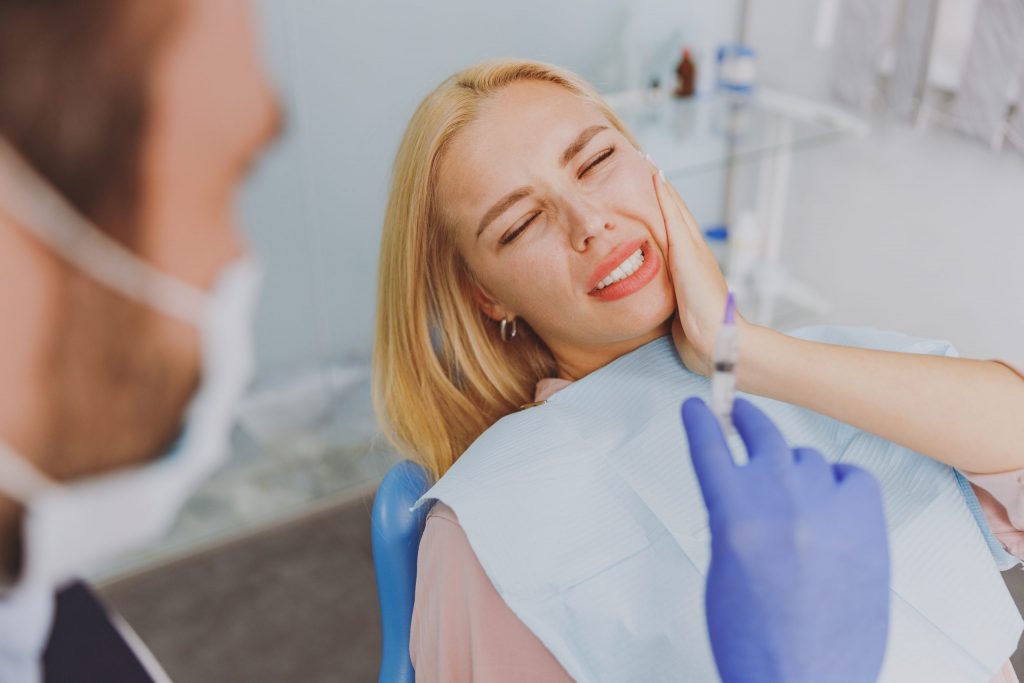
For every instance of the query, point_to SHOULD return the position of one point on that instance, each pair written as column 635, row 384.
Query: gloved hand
column 798, row 587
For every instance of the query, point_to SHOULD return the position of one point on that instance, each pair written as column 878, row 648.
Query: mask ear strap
column 19, row 479
column 41, row 210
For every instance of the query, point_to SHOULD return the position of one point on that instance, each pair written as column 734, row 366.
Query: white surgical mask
column 72, row 527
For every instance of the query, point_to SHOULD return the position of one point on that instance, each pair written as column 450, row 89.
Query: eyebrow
column 501, row 206
column 577, row 145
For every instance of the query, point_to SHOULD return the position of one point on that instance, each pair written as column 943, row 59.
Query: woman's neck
column 577, row 362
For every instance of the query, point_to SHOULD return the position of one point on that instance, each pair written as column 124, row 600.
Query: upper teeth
column 624, row 269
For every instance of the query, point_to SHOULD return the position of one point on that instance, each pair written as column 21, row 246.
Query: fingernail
column 661, row 174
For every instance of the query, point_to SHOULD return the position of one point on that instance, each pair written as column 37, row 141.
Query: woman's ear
column 491, row 308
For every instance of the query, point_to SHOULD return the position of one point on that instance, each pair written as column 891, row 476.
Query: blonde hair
column 441, row 373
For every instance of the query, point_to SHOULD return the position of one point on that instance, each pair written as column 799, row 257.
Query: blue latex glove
column 798, row 587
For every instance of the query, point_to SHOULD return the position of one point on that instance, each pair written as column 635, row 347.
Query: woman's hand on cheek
column 699, row 286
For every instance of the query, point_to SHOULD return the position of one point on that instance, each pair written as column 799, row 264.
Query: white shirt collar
column 26, row 615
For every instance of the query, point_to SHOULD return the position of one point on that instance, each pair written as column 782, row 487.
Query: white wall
column 351, row 74
column 783, row 34
column 918, row 231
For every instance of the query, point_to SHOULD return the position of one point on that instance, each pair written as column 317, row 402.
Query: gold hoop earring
column 505, row 333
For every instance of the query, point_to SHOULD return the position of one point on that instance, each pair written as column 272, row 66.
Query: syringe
column 723, row 372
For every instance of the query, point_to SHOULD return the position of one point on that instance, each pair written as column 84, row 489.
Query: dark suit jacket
column 85, row 646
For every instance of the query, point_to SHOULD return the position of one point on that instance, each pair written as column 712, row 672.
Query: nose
column 585, row 221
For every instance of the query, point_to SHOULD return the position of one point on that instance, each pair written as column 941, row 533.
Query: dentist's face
column 125, row 373
column 554, row 212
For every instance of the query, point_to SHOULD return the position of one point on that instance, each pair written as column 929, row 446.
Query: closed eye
column 508, row 237
column 596, row 161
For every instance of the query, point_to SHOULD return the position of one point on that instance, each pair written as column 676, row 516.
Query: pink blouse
column 462, row 630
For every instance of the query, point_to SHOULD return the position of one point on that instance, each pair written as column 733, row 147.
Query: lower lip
column 636, row 281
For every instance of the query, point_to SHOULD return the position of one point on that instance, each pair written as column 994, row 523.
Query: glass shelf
column 703, row 133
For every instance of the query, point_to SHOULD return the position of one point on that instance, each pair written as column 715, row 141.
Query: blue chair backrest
column 396, row 541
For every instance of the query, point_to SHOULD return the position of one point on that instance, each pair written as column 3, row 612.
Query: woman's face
column 555, row 214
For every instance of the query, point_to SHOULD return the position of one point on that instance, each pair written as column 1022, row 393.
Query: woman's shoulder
column 443, row 514
column 453, row 596
column 444, row 547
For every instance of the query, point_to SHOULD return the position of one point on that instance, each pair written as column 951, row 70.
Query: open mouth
column 637, row 268
column 623, row 270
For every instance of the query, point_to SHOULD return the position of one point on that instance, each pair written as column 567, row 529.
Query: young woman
column 528, row 243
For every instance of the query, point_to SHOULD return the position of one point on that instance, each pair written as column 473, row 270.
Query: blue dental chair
column 396, row 541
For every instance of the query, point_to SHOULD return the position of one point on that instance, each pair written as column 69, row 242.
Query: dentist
column 126, row 297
